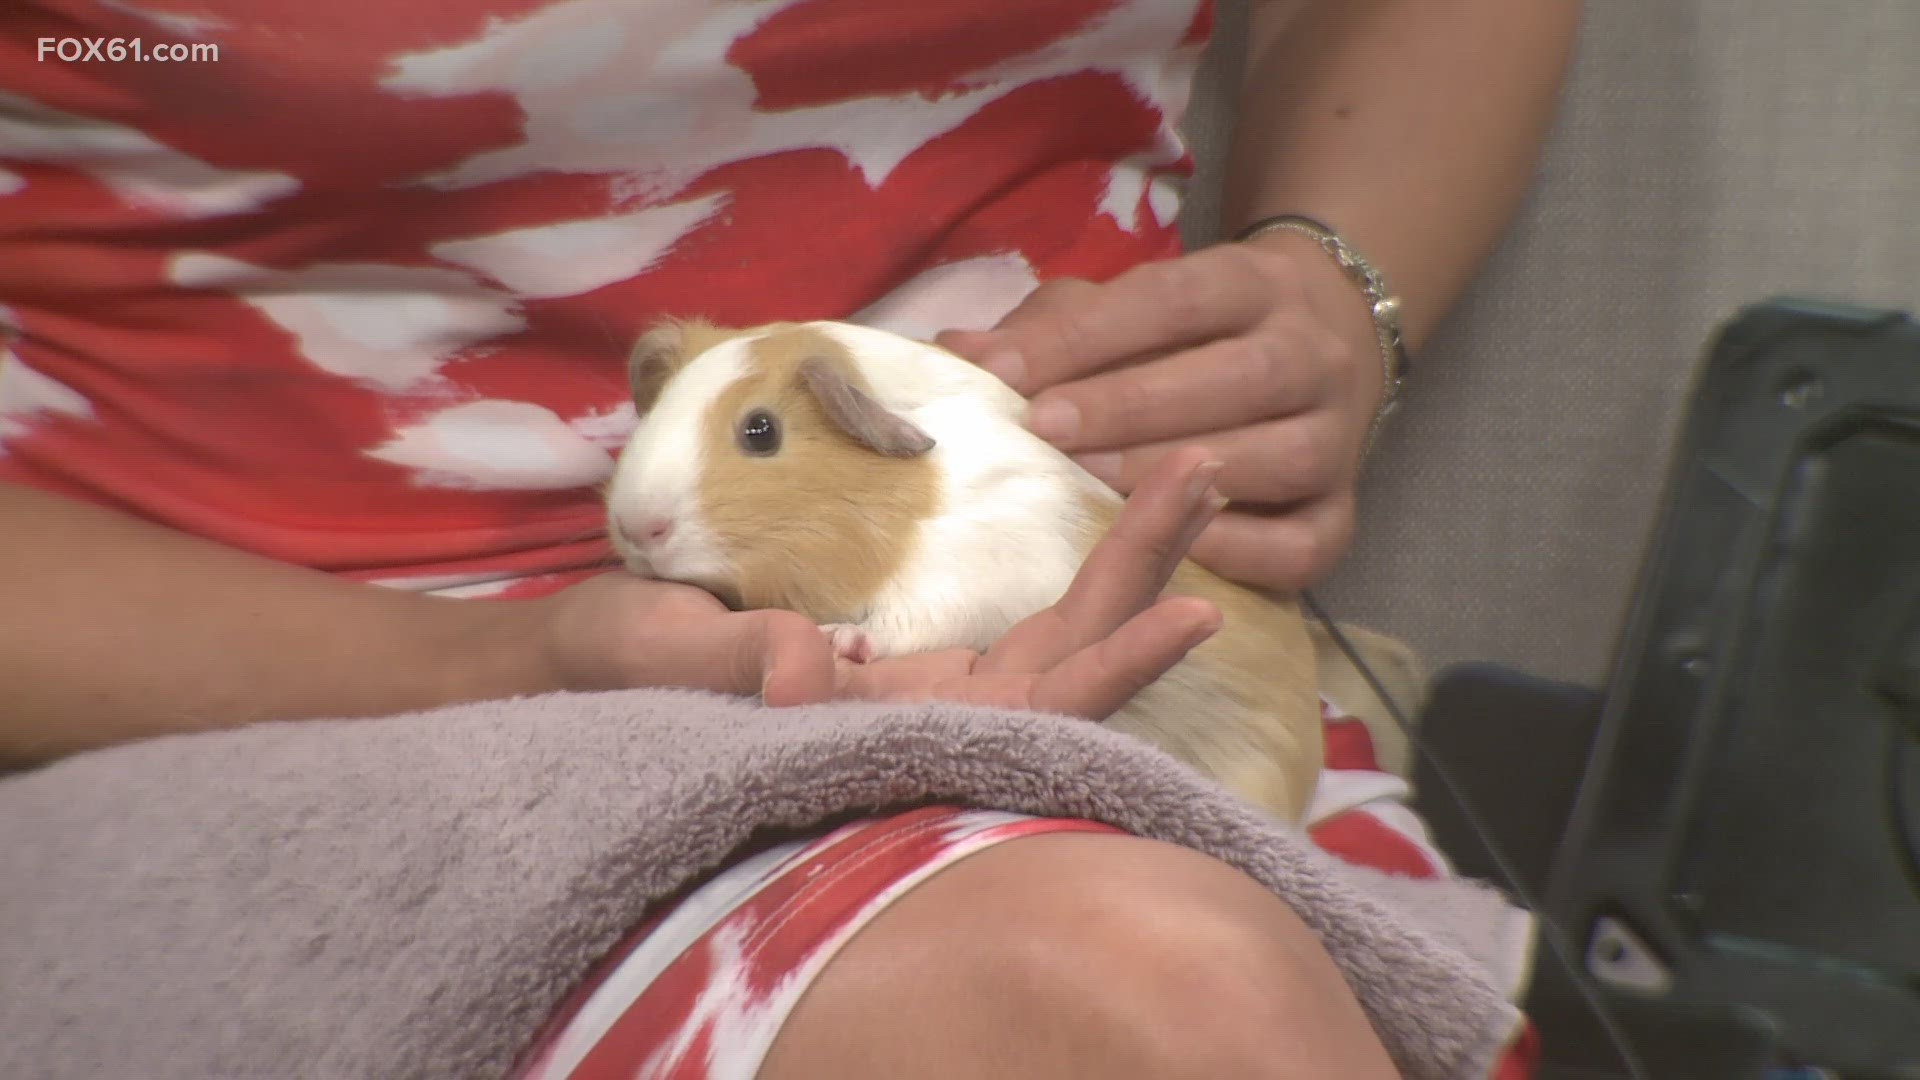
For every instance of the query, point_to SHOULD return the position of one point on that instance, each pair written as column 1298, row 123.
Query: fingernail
column 1106, row 465
column 1202, row 480
column 1204, row 631
column 1054, row 420
column 1008, row 365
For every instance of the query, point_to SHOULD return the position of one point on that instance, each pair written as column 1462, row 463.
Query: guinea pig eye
column 759, row 433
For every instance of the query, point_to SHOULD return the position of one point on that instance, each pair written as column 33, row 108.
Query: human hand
column 1264, row 352
column 1107, row 638
column 619, row 630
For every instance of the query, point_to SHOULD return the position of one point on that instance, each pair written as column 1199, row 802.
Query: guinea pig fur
column 889, row 490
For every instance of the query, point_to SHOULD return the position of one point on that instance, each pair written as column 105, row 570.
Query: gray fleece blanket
column 410, row 897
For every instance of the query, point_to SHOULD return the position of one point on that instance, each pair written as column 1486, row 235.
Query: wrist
column 1369, row 318
column 485, row 650
column 1338, row 298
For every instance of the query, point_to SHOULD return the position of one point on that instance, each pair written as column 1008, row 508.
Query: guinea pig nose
column 645, row 530
column 648, row 530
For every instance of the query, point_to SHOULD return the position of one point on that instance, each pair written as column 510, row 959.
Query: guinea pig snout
column 643, row 530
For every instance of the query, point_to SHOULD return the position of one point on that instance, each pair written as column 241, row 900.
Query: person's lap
column 948, row 942
column 1074, row 955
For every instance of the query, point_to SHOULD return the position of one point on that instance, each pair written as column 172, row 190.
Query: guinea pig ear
column 659, row 353
column 856, row 413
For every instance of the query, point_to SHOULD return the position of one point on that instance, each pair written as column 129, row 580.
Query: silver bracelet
column 1384, row 305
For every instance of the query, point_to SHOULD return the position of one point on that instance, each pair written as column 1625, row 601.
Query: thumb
column 781, row 656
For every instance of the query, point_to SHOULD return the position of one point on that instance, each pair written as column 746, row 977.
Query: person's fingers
column 1218, row 386
column 1284, row 551
column 1045, row 301
column 904, row 677
column 1101, row 678
column 1130, row 566
column 1277, row 462
column 1124, row 573
column 1217, row 292
column 1092, row 683
column 990, row 348
column 779, row 655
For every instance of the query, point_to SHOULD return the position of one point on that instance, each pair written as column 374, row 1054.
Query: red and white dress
column 355, row 290
column 350, row 285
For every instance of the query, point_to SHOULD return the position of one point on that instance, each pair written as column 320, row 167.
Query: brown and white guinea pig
column 889, row 490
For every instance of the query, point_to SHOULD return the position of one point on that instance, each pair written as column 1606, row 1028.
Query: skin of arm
column 114, row 628
column 1412, row 127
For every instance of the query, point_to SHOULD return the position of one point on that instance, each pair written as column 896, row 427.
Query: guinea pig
column 890, row 491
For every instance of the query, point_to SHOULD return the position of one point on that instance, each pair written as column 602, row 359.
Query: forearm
column 115, row 629
column 1411, row 126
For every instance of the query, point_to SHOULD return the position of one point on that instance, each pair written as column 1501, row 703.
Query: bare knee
column 1070, row 956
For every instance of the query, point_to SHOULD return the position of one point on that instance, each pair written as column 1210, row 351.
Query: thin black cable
column 1512, row 880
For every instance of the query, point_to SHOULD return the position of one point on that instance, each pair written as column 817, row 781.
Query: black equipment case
column 1728, row 835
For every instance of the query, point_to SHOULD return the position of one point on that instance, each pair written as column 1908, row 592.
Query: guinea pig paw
column 849, row 641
